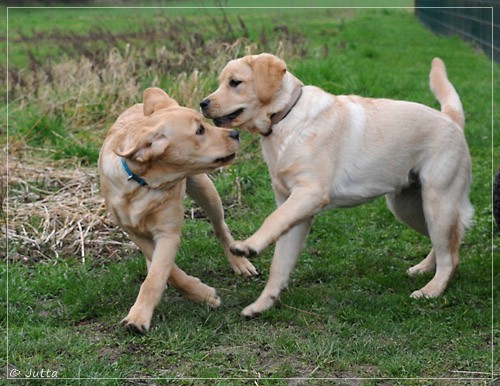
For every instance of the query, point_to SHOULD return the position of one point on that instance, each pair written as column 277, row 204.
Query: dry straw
column 55, row 211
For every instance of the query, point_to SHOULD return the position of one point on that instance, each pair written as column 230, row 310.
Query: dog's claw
column 242, row 266
column 134, row 328
column 249, row 313
column 251, row 316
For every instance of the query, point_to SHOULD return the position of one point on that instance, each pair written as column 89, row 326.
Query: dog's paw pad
column 237, row 251
column 241, row 249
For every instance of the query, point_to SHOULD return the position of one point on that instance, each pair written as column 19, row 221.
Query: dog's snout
column 235, row 135
column 205, row 103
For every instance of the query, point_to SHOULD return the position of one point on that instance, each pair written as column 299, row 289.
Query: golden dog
column 153, row 153
column 326, row 151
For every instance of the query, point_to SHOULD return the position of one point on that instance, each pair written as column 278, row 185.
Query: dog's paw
column 413, row 271
column 425, row 293
column 242, row 266
column 240, row 248
column 211, row 297
column 199, row 292
column 250, row 312
column 434, row 288
column 418, row 294
column 137, row 326
column 214, row 301
column 419, row 270
column 138, row 319
column 259, row 306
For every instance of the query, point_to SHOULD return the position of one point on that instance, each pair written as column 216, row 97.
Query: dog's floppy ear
column 143, row 146
column 156, row 99
column 268, row 73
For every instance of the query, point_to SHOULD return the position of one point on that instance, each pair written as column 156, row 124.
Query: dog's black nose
column 204, row 103
column 235, row 135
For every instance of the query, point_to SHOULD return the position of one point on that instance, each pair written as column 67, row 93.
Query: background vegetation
column 71, row 275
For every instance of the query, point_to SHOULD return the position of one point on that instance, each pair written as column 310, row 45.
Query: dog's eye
column 201, row 130
column 234, row 83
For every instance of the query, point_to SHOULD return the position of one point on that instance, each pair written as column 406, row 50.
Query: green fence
column 473, row 20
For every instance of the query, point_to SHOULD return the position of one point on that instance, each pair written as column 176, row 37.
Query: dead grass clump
column 189, row 88
column 77, row 90
column 73, row 103
column 55, row 211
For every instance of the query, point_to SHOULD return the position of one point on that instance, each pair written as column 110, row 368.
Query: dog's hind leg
column 447, row 215
column 407, row 207
column 201, row 189
column 193, row 288
column 190, row 286
column 426, row 265
column 287, row 250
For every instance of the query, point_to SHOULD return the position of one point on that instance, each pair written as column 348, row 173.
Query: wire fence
column 477, row 21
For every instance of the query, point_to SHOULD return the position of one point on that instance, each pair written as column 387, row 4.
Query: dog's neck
column 165, row 181
column 292, row 87
column 132, row 176
column 296, row 93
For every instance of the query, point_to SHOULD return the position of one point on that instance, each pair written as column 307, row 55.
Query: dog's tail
column 445, row 93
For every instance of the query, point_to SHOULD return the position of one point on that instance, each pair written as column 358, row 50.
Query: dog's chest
column 145, row 212
column 281, row 160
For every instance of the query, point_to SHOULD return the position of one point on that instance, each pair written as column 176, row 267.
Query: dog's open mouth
column 224, row 160
column 227, row 119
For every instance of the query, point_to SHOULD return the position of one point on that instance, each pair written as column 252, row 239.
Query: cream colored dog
column 327, row 151
column 153, row 153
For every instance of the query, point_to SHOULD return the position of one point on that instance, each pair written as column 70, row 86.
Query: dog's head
column 169, row 137
column 249, row 91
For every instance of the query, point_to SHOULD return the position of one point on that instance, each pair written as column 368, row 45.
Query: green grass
column 347, row 312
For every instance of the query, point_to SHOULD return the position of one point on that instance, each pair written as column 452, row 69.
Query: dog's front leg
column 201, row 189
column 139, row 316
column 288, row 248
column 302, row 204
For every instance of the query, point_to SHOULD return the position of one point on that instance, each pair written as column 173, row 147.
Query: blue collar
column 132, row 176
